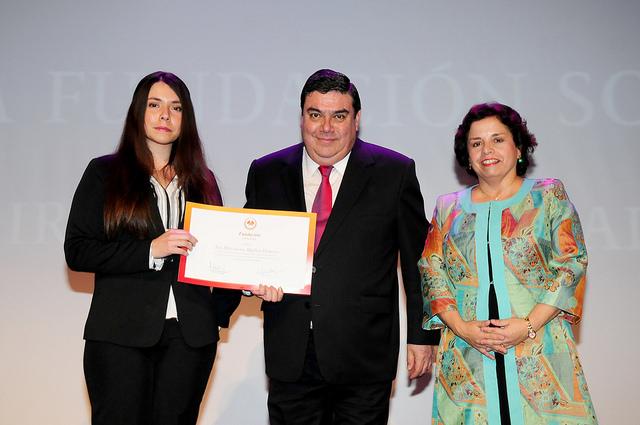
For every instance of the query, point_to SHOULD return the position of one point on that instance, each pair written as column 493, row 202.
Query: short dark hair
column 326, row 80
column 524, row 140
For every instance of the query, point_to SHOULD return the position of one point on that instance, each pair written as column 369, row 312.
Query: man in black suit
column 331, row 357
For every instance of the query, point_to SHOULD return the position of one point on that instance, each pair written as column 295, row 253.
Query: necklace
column 501, row 194
column 497, row 198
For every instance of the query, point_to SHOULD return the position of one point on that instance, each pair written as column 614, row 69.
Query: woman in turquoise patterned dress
column 503, row 274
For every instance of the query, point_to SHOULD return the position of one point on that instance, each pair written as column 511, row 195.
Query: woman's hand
column 473, row 332
column 173, row 241
column 513, row 331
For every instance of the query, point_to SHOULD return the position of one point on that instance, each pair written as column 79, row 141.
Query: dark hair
column 128, row 203
column 326, row 80
column 524, row 140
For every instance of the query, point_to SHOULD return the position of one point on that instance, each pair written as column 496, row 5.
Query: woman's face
column 163, row 115
column 493, row 155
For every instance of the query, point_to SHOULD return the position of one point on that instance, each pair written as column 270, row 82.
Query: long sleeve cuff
column 155, row 263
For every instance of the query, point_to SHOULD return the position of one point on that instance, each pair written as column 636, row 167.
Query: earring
column 520, row 160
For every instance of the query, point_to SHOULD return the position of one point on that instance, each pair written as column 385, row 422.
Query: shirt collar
column 310, row 166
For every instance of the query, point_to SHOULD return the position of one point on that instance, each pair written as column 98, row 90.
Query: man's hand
column 268, row 293
column 419, row 359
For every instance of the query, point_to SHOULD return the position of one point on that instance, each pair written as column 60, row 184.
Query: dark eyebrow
column 339, row 111
column 492, row 135
column 160, row 100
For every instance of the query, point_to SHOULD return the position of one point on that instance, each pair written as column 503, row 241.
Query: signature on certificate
column 270, row 271
column 217, row 268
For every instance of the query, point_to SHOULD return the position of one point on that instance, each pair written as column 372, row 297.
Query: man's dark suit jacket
column 130, row 300
column 378, row 212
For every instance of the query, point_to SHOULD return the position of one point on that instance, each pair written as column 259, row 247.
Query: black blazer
column 129, row 299
column 378, row 212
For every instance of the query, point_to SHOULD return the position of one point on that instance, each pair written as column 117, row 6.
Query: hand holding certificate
column 243, row 248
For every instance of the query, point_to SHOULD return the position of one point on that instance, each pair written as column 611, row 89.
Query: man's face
column 329, row 126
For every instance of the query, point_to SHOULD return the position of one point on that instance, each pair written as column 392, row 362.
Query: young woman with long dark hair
column 150, row 340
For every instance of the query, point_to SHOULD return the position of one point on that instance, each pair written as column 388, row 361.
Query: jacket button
column 307, row 305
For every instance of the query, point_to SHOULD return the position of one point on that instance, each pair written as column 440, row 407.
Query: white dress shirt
column 311, row 178
column 171, row 204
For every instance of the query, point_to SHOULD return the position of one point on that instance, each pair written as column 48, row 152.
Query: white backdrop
column 67, row 72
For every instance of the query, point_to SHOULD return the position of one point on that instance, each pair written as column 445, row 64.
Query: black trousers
column 313, row 401
column 159, row 385
column 505, row 419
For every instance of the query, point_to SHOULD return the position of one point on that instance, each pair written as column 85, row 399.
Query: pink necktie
column 322, row 203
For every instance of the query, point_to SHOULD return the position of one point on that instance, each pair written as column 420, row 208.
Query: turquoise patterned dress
column 537, row 255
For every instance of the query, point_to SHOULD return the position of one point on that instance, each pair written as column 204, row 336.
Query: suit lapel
column 292, row 179
column 356, row 175
column 156, row 219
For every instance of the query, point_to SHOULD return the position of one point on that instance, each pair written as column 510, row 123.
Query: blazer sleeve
column 225, row 303
column 412, row 231
column 437, row 289
column 86, row 246
column 249, row 190
column 568, row 256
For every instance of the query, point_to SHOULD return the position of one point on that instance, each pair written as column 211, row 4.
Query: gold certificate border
column 304, row 289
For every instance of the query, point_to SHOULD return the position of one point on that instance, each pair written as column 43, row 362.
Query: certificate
column 241, row 248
